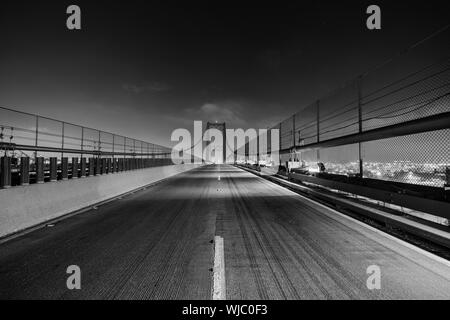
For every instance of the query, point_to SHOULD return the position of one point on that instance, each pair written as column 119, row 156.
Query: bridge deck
column 155, row 244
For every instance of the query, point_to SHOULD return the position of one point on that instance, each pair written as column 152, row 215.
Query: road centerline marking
column 219, row 288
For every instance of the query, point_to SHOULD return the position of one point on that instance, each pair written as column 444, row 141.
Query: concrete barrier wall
column 27, row 206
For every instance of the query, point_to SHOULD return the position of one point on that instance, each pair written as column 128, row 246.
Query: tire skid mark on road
column 177, row 219
column 308, row 274
column 262, row 244
column 136, row 263
column 359, row 236
column 340, row 276
column 267, row 249
column 172, row 276
column 260, row 287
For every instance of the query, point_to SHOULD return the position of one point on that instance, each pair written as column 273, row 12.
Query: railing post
column 97, row 167
column 113, row 149
column 293, row 131
column 53, row 169
column 103, row 166
column 74, row 168
column 113, row 165
column 257, row 149
column 82, row 143
column 279, row 145
column 91, row 166
column 99, row 143
column 361, row 165
column 36, row 138
column 62, row 140
column 83, row 167
column 40, row 170
column 24, row 171
column 65, row 168
column 98, row 164
column 5, row 172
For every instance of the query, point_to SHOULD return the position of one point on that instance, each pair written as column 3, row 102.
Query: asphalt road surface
column 157, row 244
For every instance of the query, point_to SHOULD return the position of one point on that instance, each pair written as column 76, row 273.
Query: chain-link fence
column 25, row 134
column 38, row 149
column 415, row 85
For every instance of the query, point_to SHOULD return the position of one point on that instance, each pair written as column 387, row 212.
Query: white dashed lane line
column 219, row 289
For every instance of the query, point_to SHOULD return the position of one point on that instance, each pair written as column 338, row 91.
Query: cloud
column 154, row 86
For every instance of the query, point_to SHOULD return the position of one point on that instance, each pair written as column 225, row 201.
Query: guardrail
column 399, row 197
column 31, row 132
column 426, row 227
column 39, row 149
column 23, row 171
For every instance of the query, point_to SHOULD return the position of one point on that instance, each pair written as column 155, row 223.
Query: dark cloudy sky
column 144, row 68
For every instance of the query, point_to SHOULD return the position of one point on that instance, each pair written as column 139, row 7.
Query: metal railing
column 39, row 149
column 24, row 132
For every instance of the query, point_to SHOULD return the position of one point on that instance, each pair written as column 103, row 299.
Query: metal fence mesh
column 414, row 85
column 20, row 129
column 420, row 94
column 416, row 159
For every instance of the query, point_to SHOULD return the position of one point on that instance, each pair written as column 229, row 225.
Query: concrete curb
column 29, row 207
